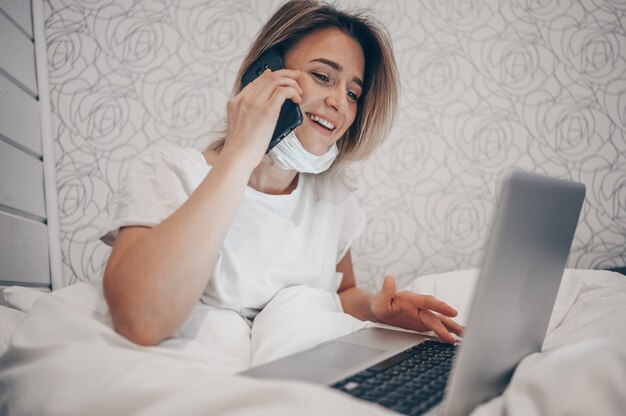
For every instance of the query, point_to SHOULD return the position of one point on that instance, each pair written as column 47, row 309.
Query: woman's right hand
column 253, row 113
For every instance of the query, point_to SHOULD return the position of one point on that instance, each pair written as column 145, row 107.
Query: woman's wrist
column 237, row 161
column 358, row 303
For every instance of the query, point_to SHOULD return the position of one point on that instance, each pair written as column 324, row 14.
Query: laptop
column 530, row 240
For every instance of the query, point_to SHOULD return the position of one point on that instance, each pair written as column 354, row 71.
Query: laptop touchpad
column 338, row 355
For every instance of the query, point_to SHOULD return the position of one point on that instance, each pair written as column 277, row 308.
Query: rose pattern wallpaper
column 486, row 85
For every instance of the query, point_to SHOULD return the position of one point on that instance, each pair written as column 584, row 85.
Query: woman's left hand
column 410, row 310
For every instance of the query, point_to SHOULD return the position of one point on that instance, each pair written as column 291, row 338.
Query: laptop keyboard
column 411, row 382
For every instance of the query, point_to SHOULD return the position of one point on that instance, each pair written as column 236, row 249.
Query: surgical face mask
column 289, row 154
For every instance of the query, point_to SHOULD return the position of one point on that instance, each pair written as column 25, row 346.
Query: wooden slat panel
column 19, row 116
column 23, row 251
column 21, row 181
column 17, row 54
column 19, row 10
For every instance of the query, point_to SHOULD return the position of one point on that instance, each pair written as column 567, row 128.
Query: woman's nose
column 337, row 100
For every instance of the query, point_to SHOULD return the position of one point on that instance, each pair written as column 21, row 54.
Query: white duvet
column 65, row 358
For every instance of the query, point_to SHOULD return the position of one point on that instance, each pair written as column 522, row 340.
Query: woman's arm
column 403, row 309
column 154, row 276
column 355, row 301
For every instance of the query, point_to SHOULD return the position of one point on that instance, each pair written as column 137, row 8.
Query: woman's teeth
column 324, row 123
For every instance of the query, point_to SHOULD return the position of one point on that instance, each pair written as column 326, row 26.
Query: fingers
column 419, row 312
column 441, row 325
column 291, row 73
column 427, row 309
column 254, row 111
column 265, row 85
column 280, row 94
column 270, row 90
column 451, row 325
column 432, row 303
column 434, row 323
column 389, row 286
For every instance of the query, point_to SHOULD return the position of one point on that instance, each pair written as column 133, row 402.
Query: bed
column 65, row 358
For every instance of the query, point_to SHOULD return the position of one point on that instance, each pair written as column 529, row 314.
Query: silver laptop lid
column 530, row 241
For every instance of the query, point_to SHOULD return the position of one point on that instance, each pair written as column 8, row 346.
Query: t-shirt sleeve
column 150, row 192
column 354, row 221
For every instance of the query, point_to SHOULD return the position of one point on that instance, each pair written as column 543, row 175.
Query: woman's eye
column 352, row 96
column 321, row 77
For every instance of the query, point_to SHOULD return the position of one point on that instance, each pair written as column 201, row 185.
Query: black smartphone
column 290, row 115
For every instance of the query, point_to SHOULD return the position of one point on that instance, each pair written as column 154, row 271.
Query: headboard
column 30, row 252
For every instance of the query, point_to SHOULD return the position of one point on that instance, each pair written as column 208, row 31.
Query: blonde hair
column 377, row 105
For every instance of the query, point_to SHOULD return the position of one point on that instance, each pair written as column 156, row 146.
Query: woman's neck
column 270, row 179
column 266, row 177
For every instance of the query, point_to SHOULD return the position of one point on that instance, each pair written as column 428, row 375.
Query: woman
column 232, row 226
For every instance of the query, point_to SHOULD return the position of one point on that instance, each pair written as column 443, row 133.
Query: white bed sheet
column 66, row 359
column 9, row 319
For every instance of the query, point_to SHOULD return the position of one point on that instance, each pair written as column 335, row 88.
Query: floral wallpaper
column 486, row 85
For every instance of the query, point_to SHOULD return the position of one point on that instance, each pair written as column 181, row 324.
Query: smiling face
column 332, row 66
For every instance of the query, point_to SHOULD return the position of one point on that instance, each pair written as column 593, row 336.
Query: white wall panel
column 20, row 12
column 19, row 116
column 23, row 251
column 17, row 54
column 21, row 181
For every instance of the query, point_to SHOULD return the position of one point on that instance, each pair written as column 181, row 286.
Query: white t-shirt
column 275, row 241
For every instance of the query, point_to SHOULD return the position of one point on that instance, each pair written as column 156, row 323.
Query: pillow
column 22, row 298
